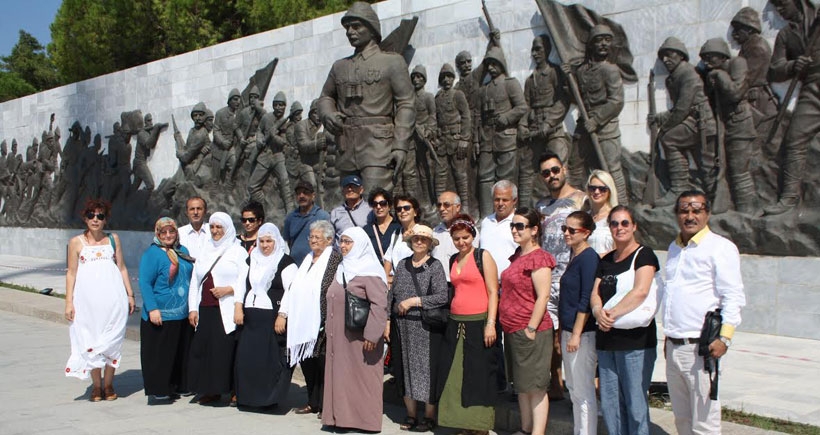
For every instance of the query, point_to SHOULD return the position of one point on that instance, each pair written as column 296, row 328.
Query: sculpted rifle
column 651, row 191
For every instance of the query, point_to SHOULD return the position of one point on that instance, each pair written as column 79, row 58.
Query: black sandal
column 427, row 425
column 410, row 423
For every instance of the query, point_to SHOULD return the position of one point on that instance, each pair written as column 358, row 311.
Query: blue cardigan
column 576, row 289
column 171, row 299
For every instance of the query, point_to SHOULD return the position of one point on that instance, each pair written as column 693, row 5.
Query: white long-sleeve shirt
column 231, row 270
column 698, row 278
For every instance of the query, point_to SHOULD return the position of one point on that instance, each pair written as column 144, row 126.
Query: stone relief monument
column 724, row 129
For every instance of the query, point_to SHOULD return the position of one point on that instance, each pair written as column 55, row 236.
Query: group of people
column 564, row 284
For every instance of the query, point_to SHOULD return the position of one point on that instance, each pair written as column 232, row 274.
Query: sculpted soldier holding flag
column 367, row 102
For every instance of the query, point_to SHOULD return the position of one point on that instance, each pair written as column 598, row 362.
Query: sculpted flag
column 399, row 38
column 572, row 23
column 261, row 78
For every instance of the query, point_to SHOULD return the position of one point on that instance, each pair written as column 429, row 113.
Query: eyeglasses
column 251, row 220
column 553, row 170
column 315, row 238
column 401, row 208
column 518, row 226
column 624, row 223
column 695, row 207
column 444, row 204
column 92, row 215
column 382, row 203
column 346, row 241
column 593, row 189
column 169, row 231
column 571, row 230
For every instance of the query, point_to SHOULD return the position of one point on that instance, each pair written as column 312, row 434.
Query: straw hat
column 421, row 231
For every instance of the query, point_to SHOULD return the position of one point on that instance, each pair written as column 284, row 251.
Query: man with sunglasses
column 197, row 233
column 297, row 222
column 563, row 200
column 702, row 274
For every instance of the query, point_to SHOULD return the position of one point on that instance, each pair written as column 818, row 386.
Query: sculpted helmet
column 463, row 55
column 314, row 105
column 420, row 70
column 716, row 45
column 199, row 107
column 280, row 98
column 748, row 17
column 363, row 11
column 674, row 44
column 254, row 91
column 445, row 70
column 496, row 54
column 600, row 30
column 209, row 114
column 234, row 93
column 296, row 107
column 57, row 131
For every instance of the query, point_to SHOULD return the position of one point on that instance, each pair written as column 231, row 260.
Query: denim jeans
column 625, row 376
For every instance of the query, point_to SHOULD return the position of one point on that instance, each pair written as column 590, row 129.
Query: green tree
column 30, row 63
column 95, row 37
column 12, row 86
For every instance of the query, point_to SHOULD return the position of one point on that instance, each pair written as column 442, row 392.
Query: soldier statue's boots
column 782, row 206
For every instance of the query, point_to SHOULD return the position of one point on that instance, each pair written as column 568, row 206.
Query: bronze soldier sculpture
column 147, row 138
column 296, row 170
column 312, row 145
column 420, row 166
column 502, row 104
column 795, row 59
column 270, row 157
column 688, row 127
column 543, row 126
column 226, row 138
column 367, row 103
column 727, row 84
column 454, row 136
column 602, row 92
column 247, row 128
column 192, row 151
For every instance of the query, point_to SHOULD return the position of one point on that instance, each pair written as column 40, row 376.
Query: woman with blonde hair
column 602, row 197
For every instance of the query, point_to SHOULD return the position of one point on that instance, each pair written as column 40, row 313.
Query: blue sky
column 33, row 16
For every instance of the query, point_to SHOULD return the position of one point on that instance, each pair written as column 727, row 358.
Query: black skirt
column 164, row 356
column 210, row 367
column 262, row 371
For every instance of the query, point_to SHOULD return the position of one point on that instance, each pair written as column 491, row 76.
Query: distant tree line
column 95, row 37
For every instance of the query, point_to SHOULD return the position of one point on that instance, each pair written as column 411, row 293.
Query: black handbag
column 710, row 332
column 356, row 310
column 435, row 318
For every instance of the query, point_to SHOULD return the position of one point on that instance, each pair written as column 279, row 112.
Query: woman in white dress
column 98, row 301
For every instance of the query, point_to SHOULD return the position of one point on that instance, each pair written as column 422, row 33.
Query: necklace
column 420, row 262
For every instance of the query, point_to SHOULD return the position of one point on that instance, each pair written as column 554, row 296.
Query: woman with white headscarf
column 354, row 370
column 219, row 273
column 262, row 372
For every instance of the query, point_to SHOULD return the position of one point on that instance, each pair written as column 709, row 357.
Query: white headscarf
column 229, row 239
column 264, row 267
column 361, row 260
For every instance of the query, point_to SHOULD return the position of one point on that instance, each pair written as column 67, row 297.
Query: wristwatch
column 531, row 329
column 726, row 341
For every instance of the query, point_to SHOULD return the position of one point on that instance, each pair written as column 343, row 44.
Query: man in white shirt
column 496, row 236
column 449, row 206
column 702, row 274
column 196, row 234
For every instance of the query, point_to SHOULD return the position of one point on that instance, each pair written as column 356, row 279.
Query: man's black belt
column 682, row 341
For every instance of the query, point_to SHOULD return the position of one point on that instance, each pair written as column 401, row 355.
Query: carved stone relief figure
column 312, row 144
column 454, row 138
column 147, row 138
column 269, row 155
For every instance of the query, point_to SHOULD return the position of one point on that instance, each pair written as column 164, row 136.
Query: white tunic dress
column 101, row 310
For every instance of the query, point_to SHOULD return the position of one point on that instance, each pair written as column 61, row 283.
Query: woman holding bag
column 626, row 340
column 420, row 284
column 354, row 370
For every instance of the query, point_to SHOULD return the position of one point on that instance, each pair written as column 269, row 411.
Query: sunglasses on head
column 593, row 189
column 382, row 203
column 244, row 220
column 91, row 215
column 572, row 231
column 518, row 226
column 404, row 207
column 693, row 206
column 624, row 223
column 553, row 170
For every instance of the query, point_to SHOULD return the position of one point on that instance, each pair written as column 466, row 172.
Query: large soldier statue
column 367, row 102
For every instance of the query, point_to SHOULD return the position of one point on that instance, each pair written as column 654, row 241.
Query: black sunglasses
column 382, row 203
column 518, row 226
column 553, row 170
column 602, row 189
column 624, row 223
column 251, row 220
column 91, row 215
column 572, row 231
column 404, row 207
column 444, row 204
